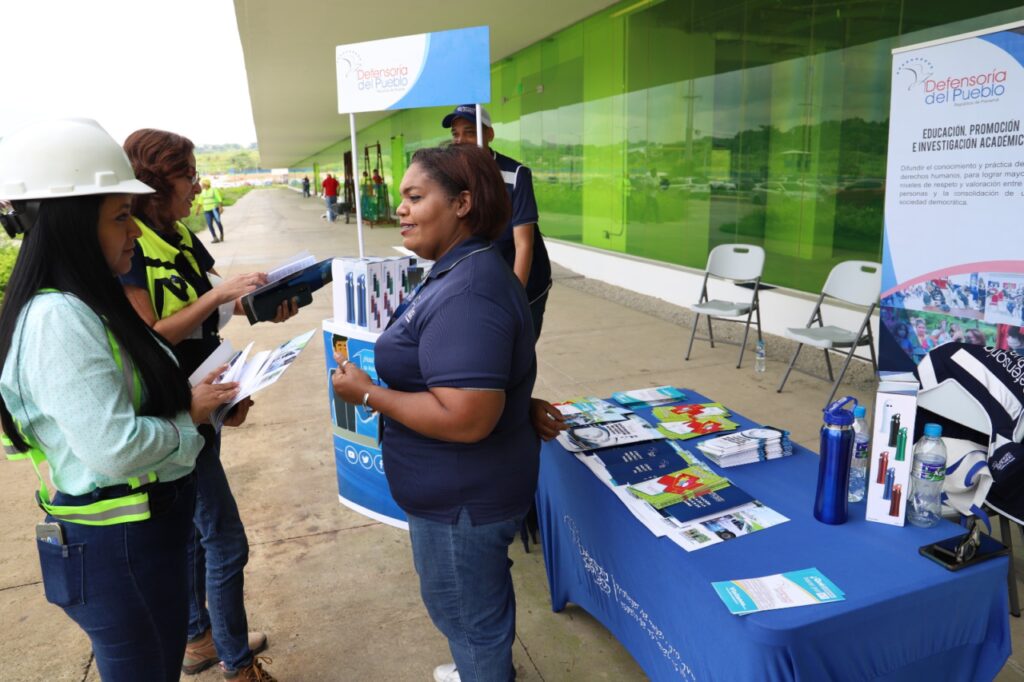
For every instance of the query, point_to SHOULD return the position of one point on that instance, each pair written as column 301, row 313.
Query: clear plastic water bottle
column 861, row 454
column 924, row 507
column 759, row 357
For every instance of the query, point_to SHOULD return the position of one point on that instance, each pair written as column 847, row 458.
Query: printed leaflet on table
column 633, row 429
column 747, row 446
column 649, row 397
column 682, row 422
column 779, row 591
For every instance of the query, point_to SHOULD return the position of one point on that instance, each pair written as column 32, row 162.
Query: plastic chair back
column 740, row 262
column 855, row 281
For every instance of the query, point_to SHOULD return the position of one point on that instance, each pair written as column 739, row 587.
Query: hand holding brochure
column 252, row 373
column 779, row 591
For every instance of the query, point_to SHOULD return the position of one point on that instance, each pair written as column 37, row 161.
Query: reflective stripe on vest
column 168, row 290
column 125, row 509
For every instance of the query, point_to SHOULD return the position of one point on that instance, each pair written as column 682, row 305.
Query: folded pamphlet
column 779, row 591
column 596, row 436
column 648, row 397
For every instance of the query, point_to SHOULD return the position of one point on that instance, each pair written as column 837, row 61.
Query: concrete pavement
column 336, row 592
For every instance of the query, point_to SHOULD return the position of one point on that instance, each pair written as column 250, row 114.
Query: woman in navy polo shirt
column 460, row 452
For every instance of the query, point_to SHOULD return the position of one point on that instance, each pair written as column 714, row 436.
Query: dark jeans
column 218, row 553
column 125, row 585
column 467, row 588
column 212, row 216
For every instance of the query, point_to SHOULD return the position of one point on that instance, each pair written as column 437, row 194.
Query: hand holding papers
column 252, row 373
column 296, row 279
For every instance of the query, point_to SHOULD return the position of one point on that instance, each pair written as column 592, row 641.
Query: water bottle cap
column 859, row 411
column 835, row 415
column 933, row 430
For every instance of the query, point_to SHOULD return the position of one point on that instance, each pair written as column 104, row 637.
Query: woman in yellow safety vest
column 211, row 203
column 89, row 389
column 174, row 288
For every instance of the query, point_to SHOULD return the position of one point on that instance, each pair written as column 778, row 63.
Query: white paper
column 297, row 262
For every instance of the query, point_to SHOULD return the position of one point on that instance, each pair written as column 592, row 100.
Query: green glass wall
column 663, row 128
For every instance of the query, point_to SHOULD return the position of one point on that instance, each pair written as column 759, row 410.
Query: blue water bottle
column 837, row 440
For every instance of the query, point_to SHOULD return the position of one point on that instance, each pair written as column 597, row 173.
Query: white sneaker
column 446, row 673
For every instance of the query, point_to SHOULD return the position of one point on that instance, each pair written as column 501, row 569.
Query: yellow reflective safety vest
column 124, row 509
column 210, row 198
column 171, row 286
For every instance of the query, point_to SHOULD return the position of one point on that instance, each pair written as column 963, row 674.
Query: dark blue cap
column 468, row 112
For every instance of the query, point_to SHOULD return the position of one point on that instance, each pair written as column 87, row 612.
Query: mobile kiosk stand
column 395, row 73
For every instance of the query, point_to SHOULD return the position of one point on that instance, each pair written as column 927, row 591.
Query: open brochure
column 252, row 371
column 299, row 261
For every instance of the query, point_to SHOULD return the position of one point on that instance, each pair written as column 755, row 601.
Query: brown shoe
column 201, row 653
column 253, row 672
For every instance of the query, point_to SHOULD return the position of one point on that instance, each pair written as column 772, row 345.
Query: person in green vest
column 211, row 203
column 88, row 388
column 175, row 289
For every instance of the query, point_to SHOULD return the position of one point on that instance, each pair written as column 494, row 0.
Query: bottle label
column 929, row 472
column 860, row 449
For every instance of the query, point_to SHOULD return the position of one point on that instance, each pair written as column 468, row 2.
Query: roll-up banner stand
column 953, row 251
column 446, row 68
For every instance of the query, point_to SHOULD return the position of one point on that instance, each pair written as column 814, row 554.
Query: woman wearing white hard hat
column 88, row 388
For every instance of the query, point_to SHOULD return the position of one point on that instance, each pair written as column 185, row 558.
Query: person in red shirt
column 330, row 185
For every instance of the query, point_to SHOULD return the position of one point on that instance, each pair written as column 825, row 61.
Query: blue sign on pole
column 425, row 70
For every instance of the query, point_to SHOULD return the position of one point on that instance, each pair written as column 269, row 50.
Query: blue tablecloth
column 904, row 617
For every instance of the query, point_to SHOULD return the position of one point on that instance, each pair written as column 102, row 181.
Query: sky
column 129, row 64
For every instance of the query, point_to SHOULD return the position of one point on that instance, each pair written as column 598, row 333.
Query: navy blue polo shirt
column 519, row 183
column 468, row 326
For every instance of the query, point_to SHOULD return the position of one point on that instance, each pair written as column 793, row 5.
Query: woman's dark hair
column 157, row 157
column 467, row 168
column 62, row 251
column 902, row 326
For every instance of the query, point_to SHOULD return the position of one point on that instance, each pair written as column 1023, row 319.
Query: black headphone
column 19, row 217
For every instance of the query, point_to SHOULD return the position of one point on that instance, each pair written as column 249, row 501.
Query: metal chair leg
column 693, row 333
column 842, row 373
column 711, row 334
column 1011, row 575
column 746, row 333
column 790, row 368
column 828, row 365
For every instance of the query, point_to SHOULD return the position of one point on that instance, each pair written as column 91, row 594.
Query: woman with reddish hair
column 173, row 286
column 459, row 450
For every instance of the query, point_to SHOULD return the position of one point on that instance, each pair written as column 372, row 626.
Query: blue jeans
column 212, row 216
column 218, row 553
column 467, row 589
column 125, row 585
column 332, row 208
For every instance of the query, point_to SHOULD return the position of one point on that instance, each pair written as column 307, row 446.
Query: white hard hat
column 64, row 158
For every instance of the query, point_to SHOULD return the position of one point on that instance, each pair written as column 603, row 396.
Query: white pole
column 356, row 181
column 479, row 128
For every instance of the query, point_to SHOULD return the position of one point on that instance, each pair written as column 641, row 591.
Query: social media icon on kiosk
column 378, row 463
column 366, row 459
column 351, row 455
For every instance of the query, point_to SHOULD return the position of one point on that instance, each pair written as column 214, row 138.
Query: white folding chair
column 854, row 281
column 739, row 264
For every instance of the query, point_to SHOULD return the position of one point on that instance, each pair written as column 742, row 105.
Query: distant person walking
column 210, row 203
column 305, row 187
column 330, row 186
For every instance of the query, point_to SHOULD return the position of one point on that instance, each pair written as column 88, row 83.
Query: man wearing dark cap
column 521, row 244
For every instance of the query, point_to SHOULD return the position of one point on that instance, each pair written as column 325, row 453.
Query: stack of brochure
column 745, row 447
column 590, row 436
column 682, row 422
column 649, row 397
column 584, row 411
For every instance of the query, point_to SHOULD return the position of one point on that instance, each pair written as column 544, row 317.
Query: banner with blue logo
column 426, row 70
column 953, row 252
column 357, row 455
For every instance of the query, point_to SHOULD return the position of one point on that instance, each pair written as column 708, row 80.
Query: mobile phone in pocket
column 50, row 533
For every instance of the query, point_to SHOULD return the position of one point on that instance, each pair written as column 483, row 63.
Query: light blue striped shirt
column 60, row 382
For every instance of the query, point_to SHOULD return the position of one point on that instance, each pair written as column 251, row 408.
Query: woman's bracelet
column 366, row 403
